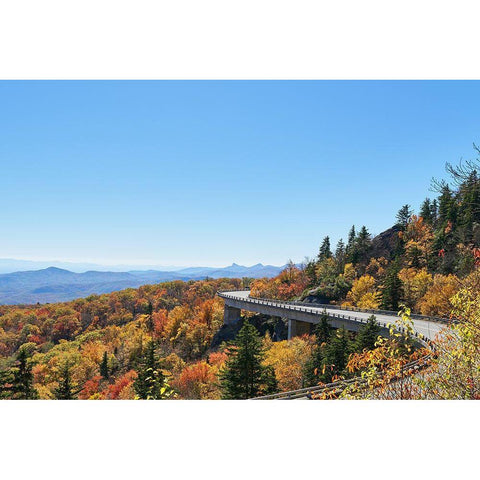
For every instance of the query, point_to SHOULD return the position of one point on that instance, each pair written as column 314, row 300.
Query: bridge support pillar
column 297, row 328
column 292, row 329
column 231, row 315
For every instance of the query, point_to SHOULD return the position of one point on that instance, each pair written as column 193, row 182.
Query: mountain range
column 9, row 265
column 55, row 284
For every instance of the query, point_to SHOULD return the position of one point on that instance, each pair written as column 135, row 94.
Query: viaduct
column 302, row 316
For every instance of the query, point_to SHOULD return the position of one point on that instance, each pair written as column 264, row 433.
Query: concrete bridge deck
column 300, row 315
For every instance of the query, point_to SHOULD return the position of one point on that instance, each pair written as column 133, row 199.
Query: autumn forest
column 168, row 341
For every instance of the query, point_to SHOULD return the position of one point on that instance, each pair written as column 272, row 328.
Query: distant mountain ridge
column 55, row 284
column 11, row 265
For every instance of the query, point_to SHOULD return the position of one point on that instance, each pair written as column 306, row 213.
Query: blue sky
column 210, row 173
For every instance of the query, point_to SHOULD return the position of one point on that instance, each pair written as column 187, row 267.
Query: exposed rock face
column 386, row 243
column 314, row 296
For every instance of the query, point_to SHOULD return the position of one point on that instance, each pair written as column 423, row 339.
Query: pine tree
column 64, row 390
column 434, row 212
column 403, row 216
column 325, row 251
column 150, row 317
column 22, row 381
column 363, row 244
column 367, row 335
column 150, row 383
column 243, row 375
column 104, row 370
column 469, row 209
column 312, row 373
column 340, row 255
column 351, row 250
column 310, row 270
column 336, row 355
column 426, row 211
column 446, row 208
column 392, row 289
column 323, row 330
column 352, row 235
column 6, row 381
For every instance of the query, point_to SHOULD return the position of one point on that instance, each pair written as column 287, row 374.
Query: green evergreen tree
column 243, row 375
column 325, row 251
column 151, row 383
column 312, row 373
column 351, row 249
column 352, row 235
column 340, row 253
column 6, row 382
column 104, row 370
column 336, row 355
column 403, row 216
column 363, row 245
column 22, row 378
column 434, row 212
column 310, row 270
column 426, row 211
column 469, row 208
column 446, row 208
column 64, row 390
column 150, row 324
column 392, row 293
column 367, row 335
column 323, row 330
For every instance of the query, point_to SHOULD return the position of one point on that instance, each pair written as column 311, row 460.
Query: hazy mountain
column 55, row 284
column 10, row 265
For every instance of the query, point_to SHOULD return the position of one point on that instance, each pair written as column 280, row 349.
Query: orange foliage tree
column 290, row 283
column 418, row 238
column 197, row 381
column 437, row 299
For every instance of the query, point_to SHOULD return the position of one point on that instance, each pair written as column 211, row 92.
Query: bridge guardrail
column 300, row 306
column 415, row 316
column 314, row 311
column 340, row 385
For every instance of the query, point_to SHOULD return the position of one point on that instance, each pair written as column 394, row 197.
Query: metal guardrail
column 415, row 316
column 331, row 307
column 315, row 311
column 341, row 385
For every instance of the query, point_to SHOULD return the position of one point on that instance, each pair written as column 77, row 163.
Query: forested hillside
column 99, row 343
column 167, row 340
column 421, row 262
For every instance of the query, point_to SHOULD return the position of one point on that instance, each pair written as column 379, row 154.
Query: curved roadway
column 427, row 327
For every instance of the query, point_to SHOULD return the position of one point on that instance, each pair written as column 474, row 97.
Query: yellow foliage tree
column 288, row 358
column 415, row 284
column 437, row 299
column 418, row 238
column 176, row 319
column 455, row 373
column 349, row 273
column 384, row 372
column 364, row 293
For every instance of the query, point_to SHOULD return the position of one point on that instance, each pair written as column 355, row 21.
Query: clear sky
column 210, row 173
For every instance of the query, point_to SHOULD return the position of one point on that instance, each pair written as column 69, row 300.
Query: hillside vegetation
column 167, row 340
column 421, row 262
